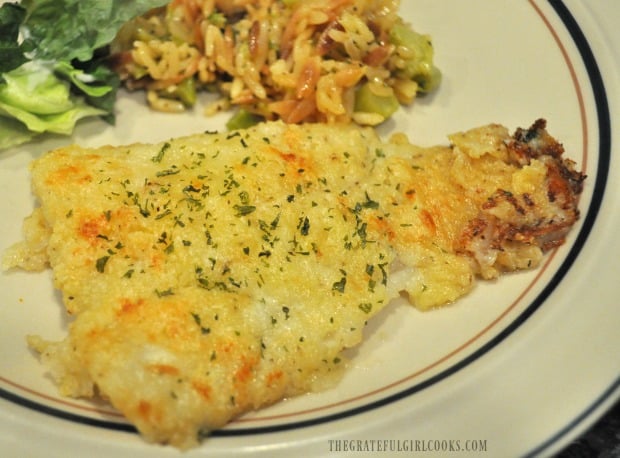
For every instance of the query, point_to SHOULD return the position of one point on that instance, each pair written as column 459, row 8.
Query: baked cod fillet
column 214, row 274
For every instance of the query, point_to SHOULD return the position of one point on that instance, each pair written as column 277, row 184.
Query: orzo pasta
column 299, row 61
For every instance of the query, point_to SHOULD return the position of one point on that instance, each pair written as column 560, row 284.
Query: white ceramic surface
column 519, row 367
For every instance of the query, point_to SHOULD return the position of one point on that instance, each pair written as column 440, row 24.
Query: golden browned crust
column 218, row 273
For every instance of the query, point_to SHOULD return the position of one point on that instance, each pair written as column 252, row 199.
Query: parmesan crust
column 214, row 274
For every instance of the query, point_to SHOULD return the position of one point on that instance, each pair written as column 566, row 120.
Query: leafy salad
column 51, row 71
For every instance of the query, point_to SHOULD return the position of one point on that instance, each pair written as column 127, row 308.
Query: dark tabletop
column 601, row 441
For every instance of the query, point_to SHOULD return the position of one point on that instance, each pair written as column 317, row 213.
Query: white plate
column 519, row 367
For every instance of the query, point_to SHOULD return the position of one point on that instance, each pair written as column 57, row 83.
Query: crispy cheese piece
column 214, row 274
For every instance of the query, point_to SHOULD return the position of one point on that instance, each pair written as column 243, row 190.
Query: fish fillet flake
column 214, row 274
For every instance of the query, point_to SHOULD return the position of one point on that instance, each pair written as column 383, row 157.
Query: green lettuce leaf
column 98, row 84
column 35, row 89
column 13, row 133
column 74, row 29
column 33, row 100
column 87, row 83
column 52, row 63
column 11, row 53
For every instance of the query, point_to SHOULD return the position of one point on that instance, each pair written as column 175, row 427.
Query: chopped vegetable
column 419, row 67
column 50, row 73
column 186, row 91
column 242, row 120
column 368, row 101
